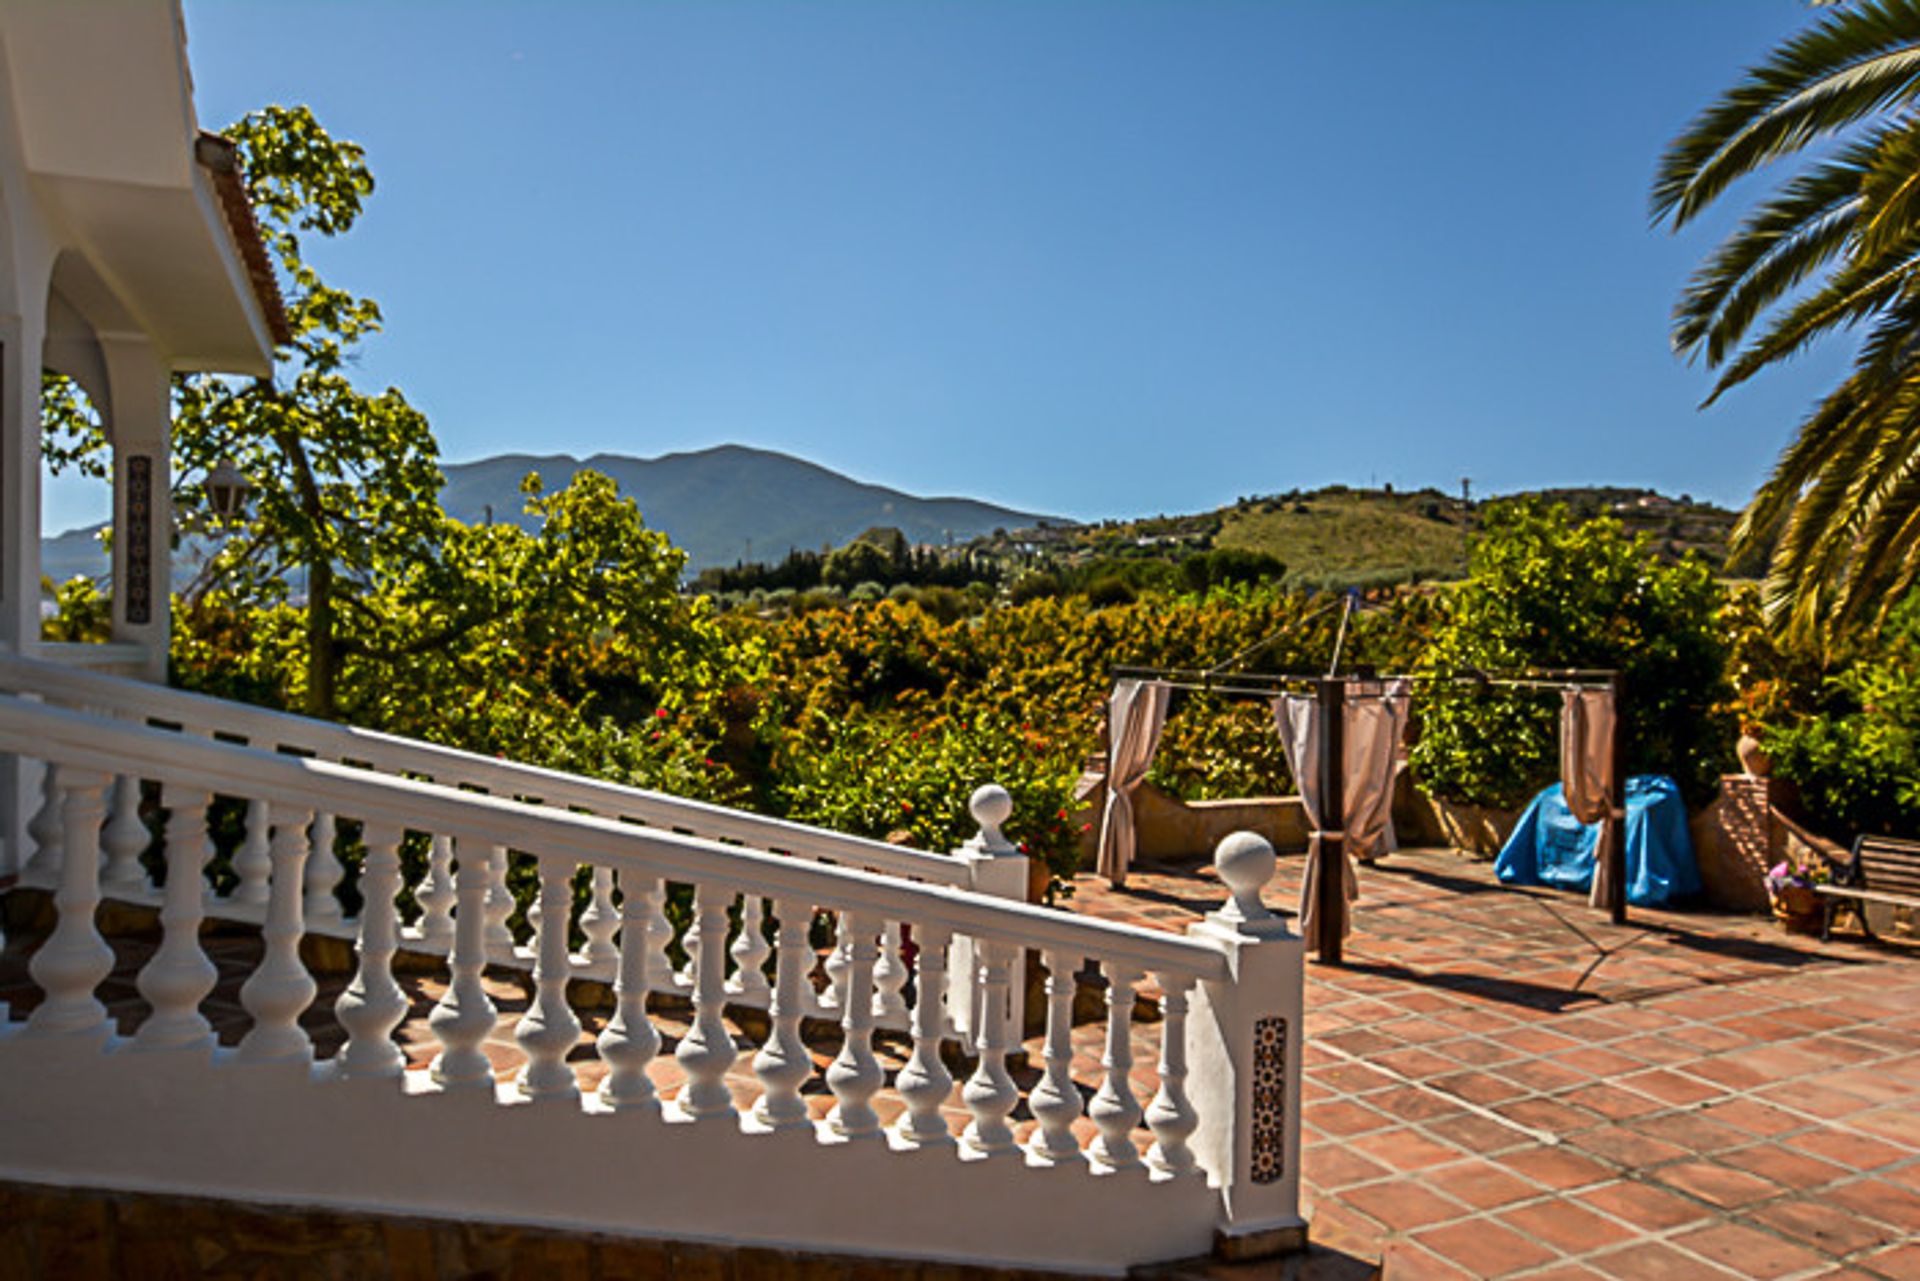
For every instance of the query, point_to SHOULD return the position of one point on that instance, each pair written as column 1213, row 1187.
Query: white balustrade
column 707, row 1051
column 855, row 1075
column 499, row 908
column 465, row 1015
column 549, row 1028
column 1115, row 1109
column 750, row 950
column 629, row 1042
column 373, row 1004
column 924, row 1083
column 783, row 1063
column 180, row 974
column 990, row 1093
column 833, row 997
column 1171, row 1116
column 1055, row 1101
column 435, row 895
column 280, row 990
column 74, row 959
column 124, row 840
column 324, row 872
column 890, row 979
column 600, row 922
column 252, row 861
column 43, row 867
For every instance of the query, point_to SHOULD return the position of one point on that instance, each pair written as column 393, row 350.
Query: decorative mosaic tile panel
column 1269, row 1100
column 138, row 536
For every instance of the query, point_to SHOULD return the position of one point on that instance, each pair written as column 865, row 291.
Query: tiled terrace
column 1500, row 1083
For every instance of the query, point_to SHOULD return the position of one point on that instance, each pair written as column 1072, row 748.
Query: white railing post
column 1243, row 1041
column 324, row 872
column 436, row 896
column 180, row 975
column 252, row 861
column 124, row 839
column 465, row 1015
column 549, row 1028
column 280, row 989
column 630, row 1041
column 75, row 959
column 995, row 866
column 42, row 868
column 373, row 1004
column 783, row 1064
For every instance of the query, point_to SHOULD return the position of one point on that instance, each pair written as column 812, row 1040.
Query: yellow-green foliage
column 1334, row 537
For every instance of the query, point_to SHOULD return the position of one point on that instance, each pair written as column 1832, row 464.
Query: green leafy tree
column 1837, row 245
column 1545, row 593
column 343, row 481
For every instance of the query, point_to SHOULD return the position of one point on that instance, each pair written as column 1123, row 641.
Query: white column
column 499, row 908
column 1171, row 1116
column 124, row 840
column 924, row 1083
column 630, row 1041
column 750, row 951
column 1244, row 1039
column 373, row 1004
column 707, row 1050
column 990, row 1093
column 1055, row 1101
column 783, row 1063
column 465, row 1015
column 1115, row 1109
column 23, row 311
column 435, row 895
column 281, row 989
column 74, row 959
column 855, row 1075
column 600, row 922
column 139, row 421
column 324, row 871
column 251, row 861
column 180, row 975
column 549, row 1028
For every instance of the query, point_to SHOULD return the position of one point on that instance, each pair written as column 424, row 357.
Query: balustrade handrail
column 394, row 754
column 87, row 742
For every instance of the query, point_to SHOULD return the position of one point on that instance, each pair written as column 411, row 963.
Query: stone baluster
column 43, row 868
column 890, row 979
column 465, row 1016
column 324, row 873
column 689, row 976
column 1055, row 1101
column 124, row 840
column 499, row 907
column 783, row 1063
column 660, row 976
column 990, row 1093
column 1171, row 1116
column 280, row 989
column 74, row 959
column 180, row 974
column 373, row 1004
column 750, row 952
column 600, row 922
column 549, row 1029
column 855, row 1075
column 833, row 997
column 707, row 1050
column 1114, row 1108
column 435, row 895
column 251, row 861
column 924, row 1082
column 630, row 1041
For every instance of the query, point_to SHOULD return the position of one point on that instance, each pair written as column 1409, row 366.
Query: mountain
column 718, row 505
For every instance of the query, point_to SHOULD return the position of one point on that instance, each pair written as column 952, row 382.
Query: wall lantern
column 227, row 490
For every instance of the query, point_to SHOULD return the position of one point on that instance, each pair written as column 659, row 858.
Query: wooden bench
column 1885, row 869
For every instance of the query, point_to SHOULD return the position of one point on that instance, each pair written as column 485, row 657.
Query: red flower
column 660, row 711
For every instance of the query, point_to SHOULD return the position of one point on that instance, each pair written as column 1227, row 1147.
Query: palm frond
column 1853, row 63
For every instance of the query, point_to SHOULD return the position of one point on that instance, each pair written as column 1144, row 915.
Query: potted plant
column 1796, row 905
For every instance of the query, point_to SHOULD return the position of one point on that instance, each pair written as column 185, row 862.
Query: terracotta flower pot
column 1798, row 909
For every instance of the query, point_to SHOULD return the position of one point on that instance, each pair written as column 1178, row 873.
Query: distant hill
column 714, row 504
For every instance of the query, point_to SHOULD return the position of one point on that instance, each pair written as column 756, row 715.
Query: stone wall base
column 72, row 1234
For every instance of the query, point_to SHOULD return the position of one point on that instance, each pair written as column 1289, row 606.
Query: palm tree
column 1835, row 246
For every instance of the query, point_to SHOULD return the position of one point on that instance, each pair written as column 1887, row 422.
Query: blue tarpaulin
column 1549, row 846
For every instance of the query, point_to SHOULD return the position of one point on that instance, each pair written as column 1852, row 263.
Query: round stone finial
column 990, row 805
column 1245, row 861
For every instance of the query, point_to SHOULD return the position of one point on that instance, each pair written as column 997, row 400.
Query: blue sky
column 1082, row 258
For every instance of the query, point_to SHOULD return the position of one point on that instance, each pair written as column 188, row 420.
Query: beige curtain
column 1374, row 721
column 1586, row 775
column 1137, row 712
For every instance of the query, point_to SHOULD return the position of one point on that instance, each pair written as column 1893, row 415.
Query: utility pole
column 1466, row 516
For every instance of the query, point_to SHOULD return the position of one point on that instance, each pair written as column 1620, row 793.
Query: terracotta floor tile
column 1557, row 1168
column 1403, row 1205
column 1653, row 1261
column 1485, row 1249
column 1650, row 1209
column 1728, row 1188
column 1751, row 1253
column 1481, row 1184
column 1881, row 1201
column 1826, row 1228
